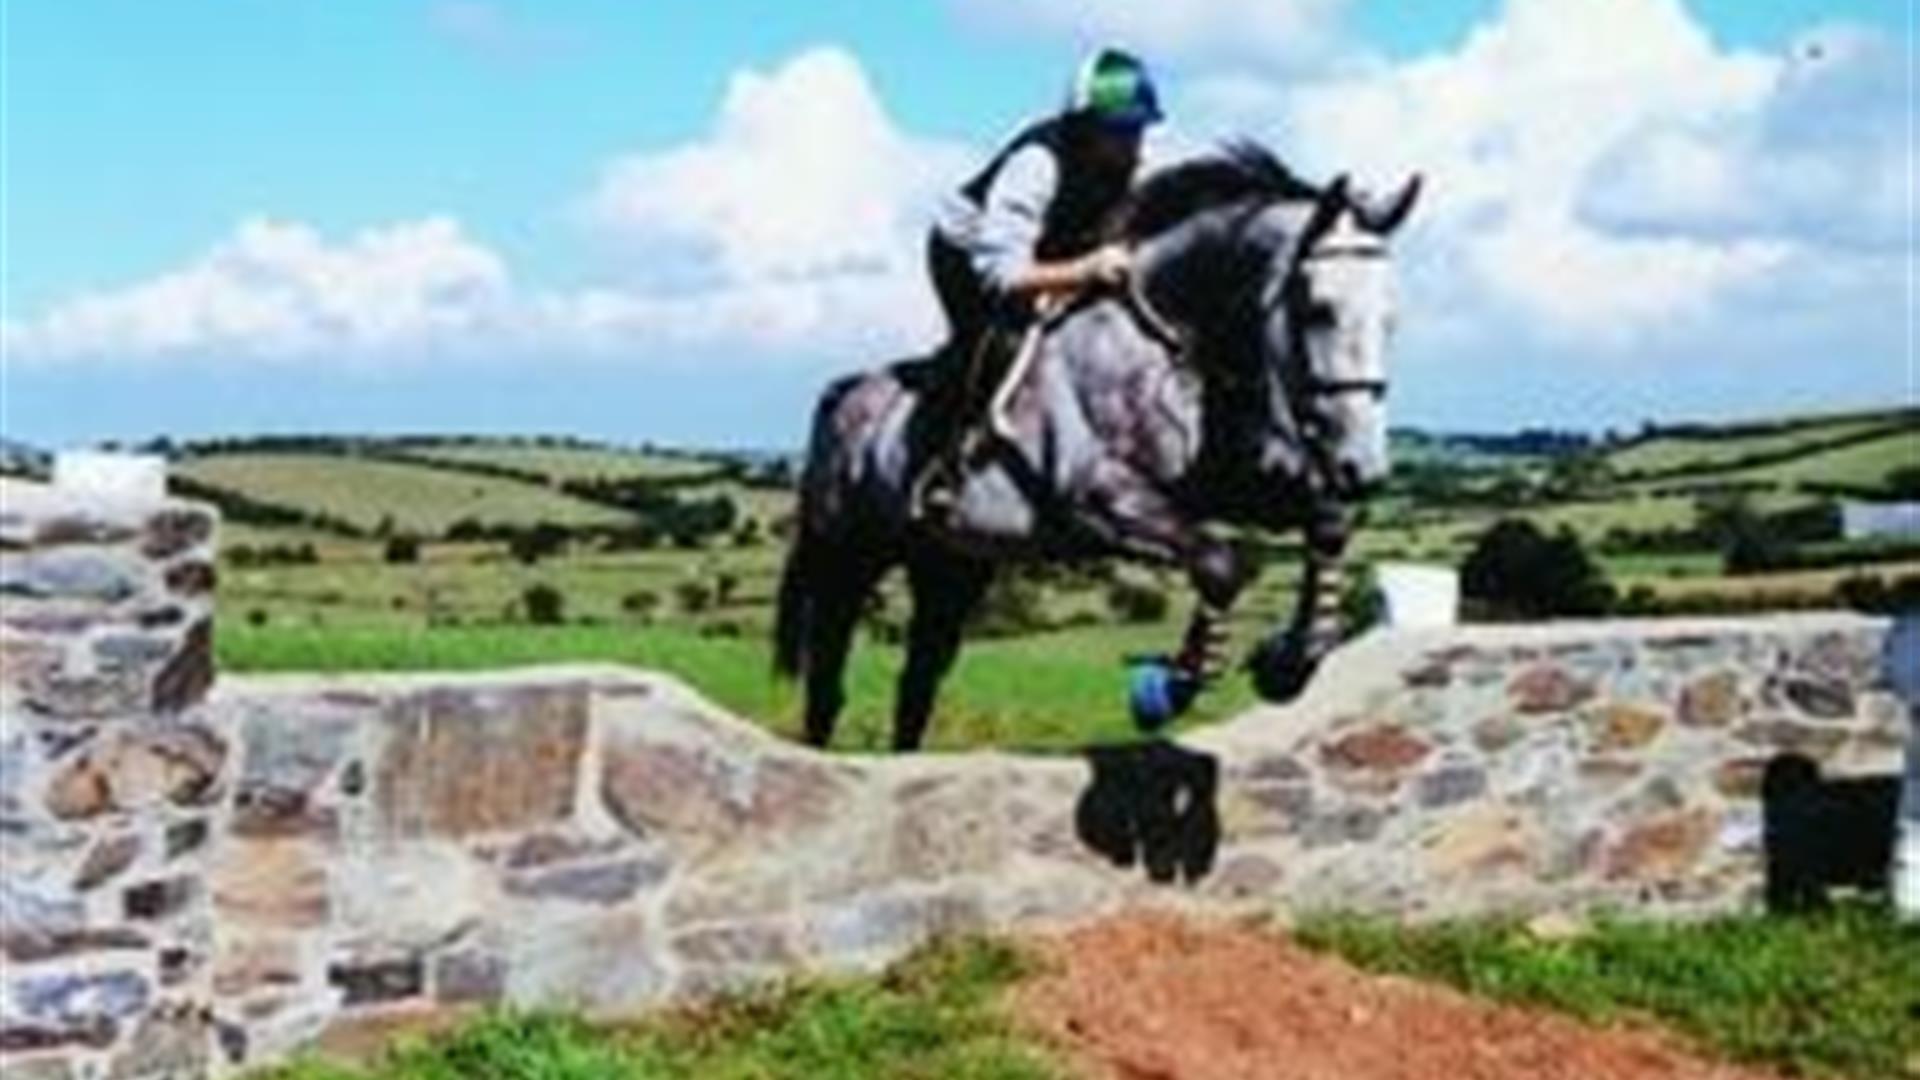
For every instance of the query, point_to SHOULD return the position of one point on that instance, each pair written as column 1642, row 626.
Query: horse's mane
column 1239, row 170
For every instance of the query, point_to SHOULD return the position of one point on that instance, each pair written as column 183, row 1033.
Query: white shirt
column 1000, row 237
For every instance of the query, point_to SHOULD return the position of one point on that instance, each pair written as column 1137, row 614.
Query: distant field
column 1863, row 465
column 570, row 463
column 1665, row 453
column 417, row 498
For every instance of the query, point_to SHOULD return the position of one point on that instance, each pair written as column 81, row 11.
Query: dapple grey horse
column 1239, row 379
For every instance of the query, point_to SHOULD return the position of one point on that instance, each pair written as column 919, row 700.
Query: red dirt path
column 1151, row 997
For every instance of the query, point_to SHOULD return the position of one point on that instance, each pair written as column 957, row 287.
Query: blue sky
column 557, row 145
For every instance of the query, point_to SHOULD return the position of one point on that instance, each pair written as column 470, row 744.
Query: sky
column 675, row 222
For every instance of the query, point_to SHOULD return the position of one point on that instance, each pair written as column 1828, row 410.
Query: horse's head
column 1327, row 318
column 1288, row 290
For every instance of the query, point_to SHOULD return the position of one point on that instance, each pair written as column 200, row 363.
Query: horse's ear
column 1384, row 220
column 1334, row 201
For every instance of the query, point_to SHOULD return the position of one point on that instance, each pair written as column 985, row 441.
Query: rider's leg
column 965, row 302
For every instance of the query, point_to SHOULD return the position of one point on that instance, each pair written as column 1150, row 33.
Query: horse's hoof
column 1159, row 693
column 1280, row 669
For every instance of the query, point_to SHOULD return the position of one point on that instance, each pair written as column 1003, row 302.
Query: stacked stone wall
column 112, row 778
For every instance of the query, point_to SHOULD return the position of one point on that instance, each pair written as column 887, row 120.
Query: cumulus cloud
column 794, row 227
column 803, row 176
column 1823, row 157
column 1583, row 154
column 277, row 288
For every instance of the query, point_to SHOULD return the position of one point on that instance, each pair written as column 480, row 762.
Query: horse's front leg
column 1284, row 661
column 1143, row 522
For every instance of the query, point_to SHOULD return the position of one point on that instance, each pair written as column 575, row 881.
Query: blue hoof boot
column 1159, row 693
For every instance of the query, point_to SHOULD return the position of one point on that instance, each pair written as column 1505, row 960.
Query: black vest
column 1081, row 199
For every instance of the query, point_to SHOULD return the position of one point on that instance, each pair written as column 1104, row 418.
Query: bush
column 1014, row 605
column 1874, row 595
column 641, row 603
column 1133, row 602
column 404, row 548
column 1517, row 572
column 725, row 583
column 544, row 604
column 693, row 595
column 531, row 545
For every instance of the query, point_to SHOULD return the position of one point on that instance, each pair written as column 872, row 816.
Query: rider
column 1026, row 226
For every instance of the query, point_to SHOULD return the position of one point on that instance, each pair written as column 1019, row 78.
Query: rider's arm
column 1010, row 228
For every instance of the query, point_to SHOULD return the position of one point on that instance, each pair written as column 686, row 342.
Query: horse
column 1238, row 378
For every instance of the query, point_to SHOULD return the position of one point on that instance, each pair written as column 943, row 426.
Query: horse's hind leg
column 838, row 601
column 945, row 589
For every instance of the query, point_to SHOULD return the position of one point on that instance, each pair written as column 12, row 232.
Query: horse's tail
column 800, row 577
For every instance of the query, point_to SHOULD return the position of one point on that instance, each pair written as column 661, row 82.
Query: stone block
column 465, row 762
column 1617, row 726
column 123, row 770
column 1548, row 688
column 947, row 827
column 279, row 883
column 1381, row 748
column 1711, row 701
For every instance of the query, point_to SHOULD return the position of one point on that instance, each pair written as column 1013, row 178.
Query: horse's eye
column 1320, row 313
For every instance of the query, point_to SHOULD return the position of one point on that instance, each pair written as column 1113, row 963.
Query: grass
column 569, row 463
column 1834, row 995
column 1672, row 452
column 1863, row 465
column 1055, row 692
column 931, row 1017
column 418, row 498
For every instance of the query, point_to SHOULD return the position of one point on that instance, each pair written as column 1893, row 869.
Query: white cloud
column 1523, row 129
column 1824, row 157
column 803, row 176
column 277, row 288
column 794, row 227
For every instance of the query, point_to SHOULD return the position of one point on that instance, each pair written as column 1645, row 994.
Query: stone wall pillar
column 111, row 776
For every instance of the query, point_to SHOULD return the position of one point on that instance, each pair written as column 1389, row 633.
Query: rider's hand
column 1106, row 265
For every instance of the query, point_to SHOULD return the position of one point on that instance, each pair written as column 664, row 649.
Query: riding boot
column 967, row 431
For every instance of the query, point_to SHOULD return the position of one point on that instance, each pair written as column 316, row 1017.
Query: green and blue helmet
column 1113, row 88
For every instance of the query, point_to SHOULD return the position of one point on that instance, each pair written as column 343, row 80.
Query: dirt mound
column 1152, row 997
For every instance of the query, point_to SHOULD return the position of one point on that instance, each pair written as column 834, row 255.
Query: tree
column 531, row 545
column 1747, row 540
column 1517, row 572
column 404, row 548
column 545, row 605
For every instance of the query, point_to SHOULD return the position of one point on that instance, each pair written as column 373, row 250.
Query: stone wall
column 112, row 775
column 394, row 849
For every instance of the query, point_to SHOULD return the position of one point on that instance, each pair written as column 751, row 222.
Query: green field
column 416, row 499
column 569, row 463
column 1675, row 452
column 1863, row 465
